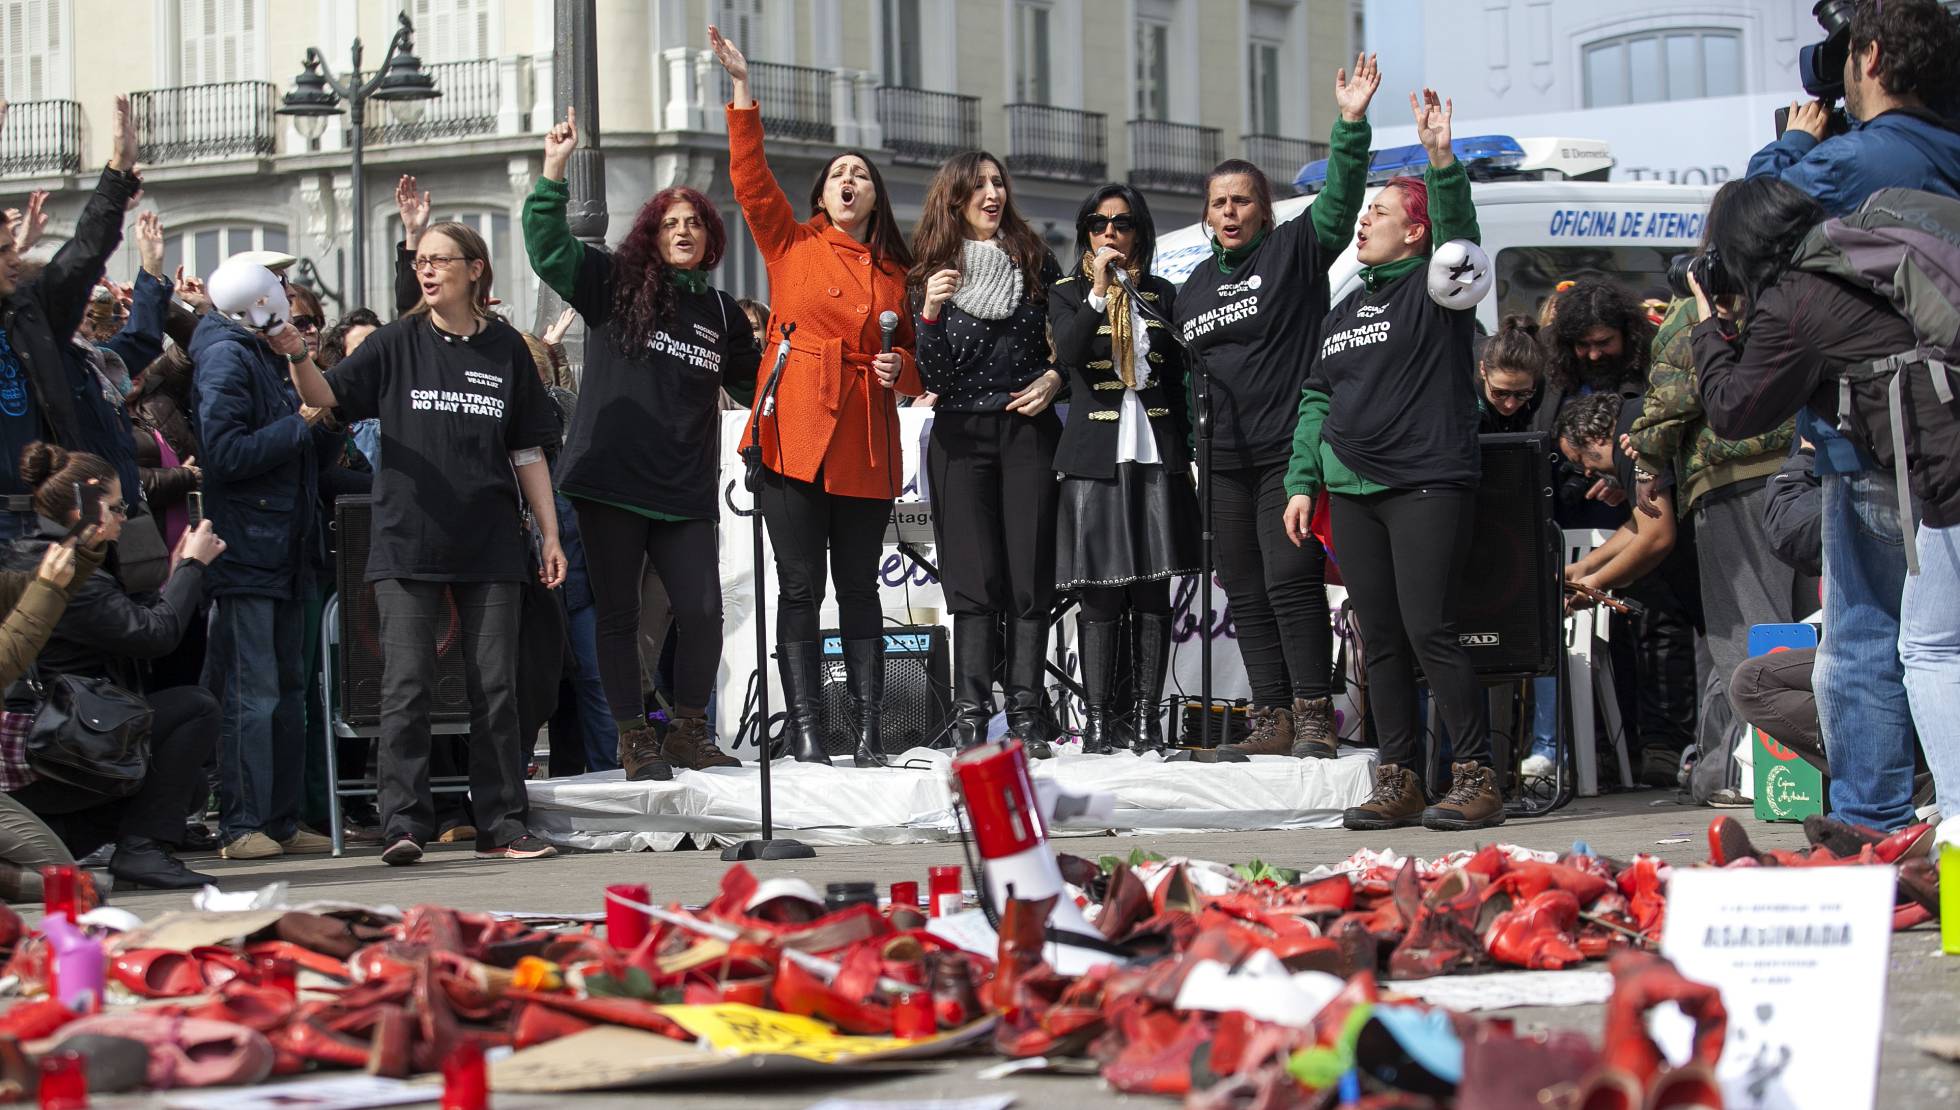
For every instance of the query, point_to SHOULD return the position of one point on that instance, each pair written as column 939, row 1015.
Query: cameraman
column 1902, row 52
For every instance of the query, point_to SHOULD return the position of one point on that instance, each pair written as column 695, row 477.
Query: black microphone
column 887, row 327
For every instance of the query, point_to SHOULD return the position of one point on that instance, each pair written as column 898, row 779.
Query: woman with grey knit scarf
column 981, row 283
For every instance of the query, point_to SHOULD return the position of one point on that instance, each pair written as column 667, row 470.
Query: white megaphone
column 1015, row 860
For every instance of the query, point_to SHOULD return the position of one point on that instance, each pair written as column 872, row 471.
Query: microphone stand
column 1195, row 362
column 768, row 847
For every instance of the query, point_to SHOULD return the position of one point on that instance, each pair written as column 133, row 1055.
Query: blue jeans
column 1861, row 692
column 595, row 719
column 255, row 666
column 1929, row 646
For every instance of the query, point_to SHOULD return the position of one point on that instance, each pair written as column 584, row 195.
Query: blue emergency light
column 1478, row 153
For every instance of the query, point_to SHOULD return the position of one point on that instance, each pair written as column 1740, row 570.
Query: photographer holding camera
column 1887, row 59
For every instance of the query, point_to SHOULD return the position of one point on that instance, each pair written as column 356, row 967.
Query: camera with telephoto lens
column 1708, row 271
column 1821, row 65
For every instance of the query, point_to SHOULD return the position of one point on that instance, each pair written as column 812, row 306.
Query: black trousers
column 1400, row 554
column 808, row 525
column 413, row 614
column 619, row 544
column 1774, row 693
column 1278, row 592
column 993, row 501
column 1108, row 603
column 183, row 734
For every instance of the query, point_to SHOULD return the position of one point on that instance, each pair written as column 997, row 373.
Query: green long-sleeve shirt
column 1314, row 465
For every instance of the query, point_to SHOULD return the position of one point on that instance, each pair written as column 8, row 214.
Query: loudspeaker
column 359, row 698
column 918, row 689
column 1509, row 592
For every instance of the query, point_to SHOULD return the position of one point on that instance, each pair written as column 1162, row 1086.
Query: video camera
column 1821, row 64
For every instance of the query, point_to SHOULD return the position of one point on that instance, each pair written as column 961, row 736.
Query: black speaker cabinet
column 918, row 689
column 359, row 696
column 1508, row 597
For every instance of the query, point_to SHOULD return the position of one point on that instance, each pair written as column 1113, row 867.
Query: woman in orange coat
column 831, row 449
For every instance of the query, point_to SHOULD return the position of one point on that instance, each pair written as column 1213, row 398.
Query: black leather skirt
column 1139, row 526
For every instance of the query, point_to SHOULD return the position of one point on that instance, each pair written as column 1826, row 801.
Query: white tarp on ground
column 913, row 804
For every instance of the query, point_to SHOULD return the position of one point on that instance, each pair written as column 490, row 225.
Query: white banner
column 910, row 595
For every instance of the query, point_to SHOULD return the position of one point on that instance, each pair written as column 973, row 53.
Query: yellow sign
column 745, row 1030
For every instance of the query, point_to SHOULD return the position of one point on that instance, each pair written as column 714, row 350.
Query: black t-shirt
column 647, row 428
column 1256, row 330
column 452, row 409
column 20, row 416
column 1401, row 387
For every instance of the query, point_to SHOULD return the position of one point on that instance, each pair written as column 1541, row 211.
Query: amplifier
column 1508, row 599
column 1231, row 723
column 359, row 699
column 918, row 689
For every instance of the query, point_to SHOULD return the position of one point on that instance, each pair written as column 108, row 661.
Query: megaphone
column 1015, row 860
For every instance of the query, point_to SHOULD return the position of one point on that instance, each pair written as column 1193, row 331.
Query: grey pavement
column 1921, row 994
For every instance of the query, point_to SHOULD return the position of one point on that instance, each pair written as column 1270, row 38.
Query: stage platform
column 912, row 803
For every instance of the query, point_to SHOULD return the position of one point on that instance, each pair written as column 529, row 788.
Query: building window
column 200, row 250
column 218, row 41
column 1153, row 51
column 32, row 44
column 1031, row 38
column 450, row 30
column 1265, row 46
column 1663, row 65
column 902, row 43
column 741, row 23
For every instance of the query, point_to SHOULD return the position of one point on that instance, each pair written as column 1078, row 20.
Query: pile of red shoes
column 1835, row 843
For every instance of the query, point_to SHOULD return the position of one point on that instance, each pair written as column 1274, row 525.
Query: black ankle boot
column 864, row 668
column 1150, row 650
column 140, row 862
column 973, row 679
column 803, row 689
column 1097, row 656
column 1027, row 716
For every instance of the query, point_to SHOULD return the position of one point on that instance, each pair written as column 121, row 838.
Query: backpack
column 1904, row 245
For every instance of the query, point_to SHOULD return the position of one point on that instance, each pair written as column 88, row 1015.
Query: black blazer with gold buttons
column 1081, row 335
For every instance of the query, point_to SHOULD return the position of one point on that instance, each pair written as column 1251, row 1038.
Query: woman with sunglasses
column 1511, row 367
column 1253, row 313
column 830, row 450
column 1128, row 520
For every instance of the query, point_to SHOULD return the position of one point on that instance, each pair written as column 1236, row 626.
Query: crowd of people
column 174, row 452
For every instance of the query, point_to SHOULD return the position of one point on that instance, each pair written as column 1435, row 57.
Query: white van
column 1539, row 225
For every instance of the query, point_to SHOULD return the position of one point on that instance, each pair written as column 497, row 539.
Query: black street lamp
column 316, row 96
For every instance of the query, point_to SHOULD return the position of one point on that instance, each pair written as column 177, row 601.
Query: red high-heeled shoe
column 532, row 1024
column 308, row 1040
column 391, row 1044
column 1537, row 934
column 31, row 1021
column 1443, row 938
column 304, row 958
column 841, row 1002
column 157, row 973
column 629, row 1012
column 249, row 1004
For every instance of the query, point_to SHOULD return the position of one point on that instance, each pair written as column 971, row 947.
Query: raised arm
column 1334, row 211
column 772, row 219
column 1453, row 213
column 63, row 289
column 556, row 254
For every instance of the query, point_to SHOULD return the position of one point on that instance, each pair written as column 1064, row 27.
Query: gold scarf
column 1122, row 333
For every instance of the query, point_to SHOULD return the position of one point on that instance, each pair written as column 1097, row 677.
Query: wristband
column 299, row 358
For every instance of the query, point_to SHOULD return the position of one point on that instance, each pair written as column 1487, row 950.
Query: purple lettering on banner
column 1185, row 615
column 899, row 570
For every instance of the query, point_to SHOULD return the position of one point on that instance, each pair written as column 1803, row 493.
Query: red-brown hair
column 642, row 295
column 1415, row 203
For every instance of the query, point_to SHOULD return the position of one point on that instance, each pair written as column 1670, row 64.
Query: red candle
column 280, row 973
column 58, row 890
column 64, row 1082
column 905, row 895
column 944, row 887
column 626, row 927
column 466, row 1078
column 912, row 1017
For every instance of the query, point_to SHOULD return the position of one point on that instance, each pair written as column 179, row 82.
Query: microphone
column 887, row 327
column 1121, row 277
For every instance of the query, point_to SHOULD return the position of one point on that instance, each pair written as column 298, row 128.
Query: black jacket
column 1793, row 513
column 977, row 365
column 42, row 315
column 104, row 632
column 1081, row 335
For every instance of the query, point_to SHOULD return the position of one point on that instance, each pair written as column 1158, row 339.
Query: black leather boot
column 141, row 863
column 1027, row 717
column 803, row 689
column 1150, row 650
column 973, row 679
column 864, row 668
column 1097, row 655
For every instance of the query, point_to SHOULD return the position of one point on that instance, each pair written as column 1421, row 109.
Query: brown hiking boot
column 688, row 745
column 1472, row 803
column 1313, row 729
column 1272, row 733
column 1395, row 804
column 639, row 754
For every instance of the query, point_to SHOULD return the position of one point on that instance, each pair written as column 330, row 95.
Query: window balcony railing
column 1043, row 141
column 1174, row 157
column 473, row 101
column 1282, row 157
column 925, row 127
column 795, row 100
column 41, row 137
column 229, row 120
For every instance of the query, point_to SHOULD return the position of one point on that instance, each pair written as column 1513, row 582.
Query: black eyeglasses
column 1511, row 394
column 1099, row 222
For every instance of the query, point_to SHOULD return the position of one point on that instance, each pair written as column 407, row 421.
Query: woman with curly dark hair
column 640, row 462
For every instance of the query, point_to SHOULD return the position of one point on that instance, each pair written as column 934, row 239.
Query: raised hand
column 728, row 54
column 122, row 152
column 1352, row 94
column 1433, row 126
column 149, row 243
column 940, row 288
column 559, row 142
column 34, row 223
column 413, row 206
column 57, row 565
column 192, row 291
column 555, row 334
